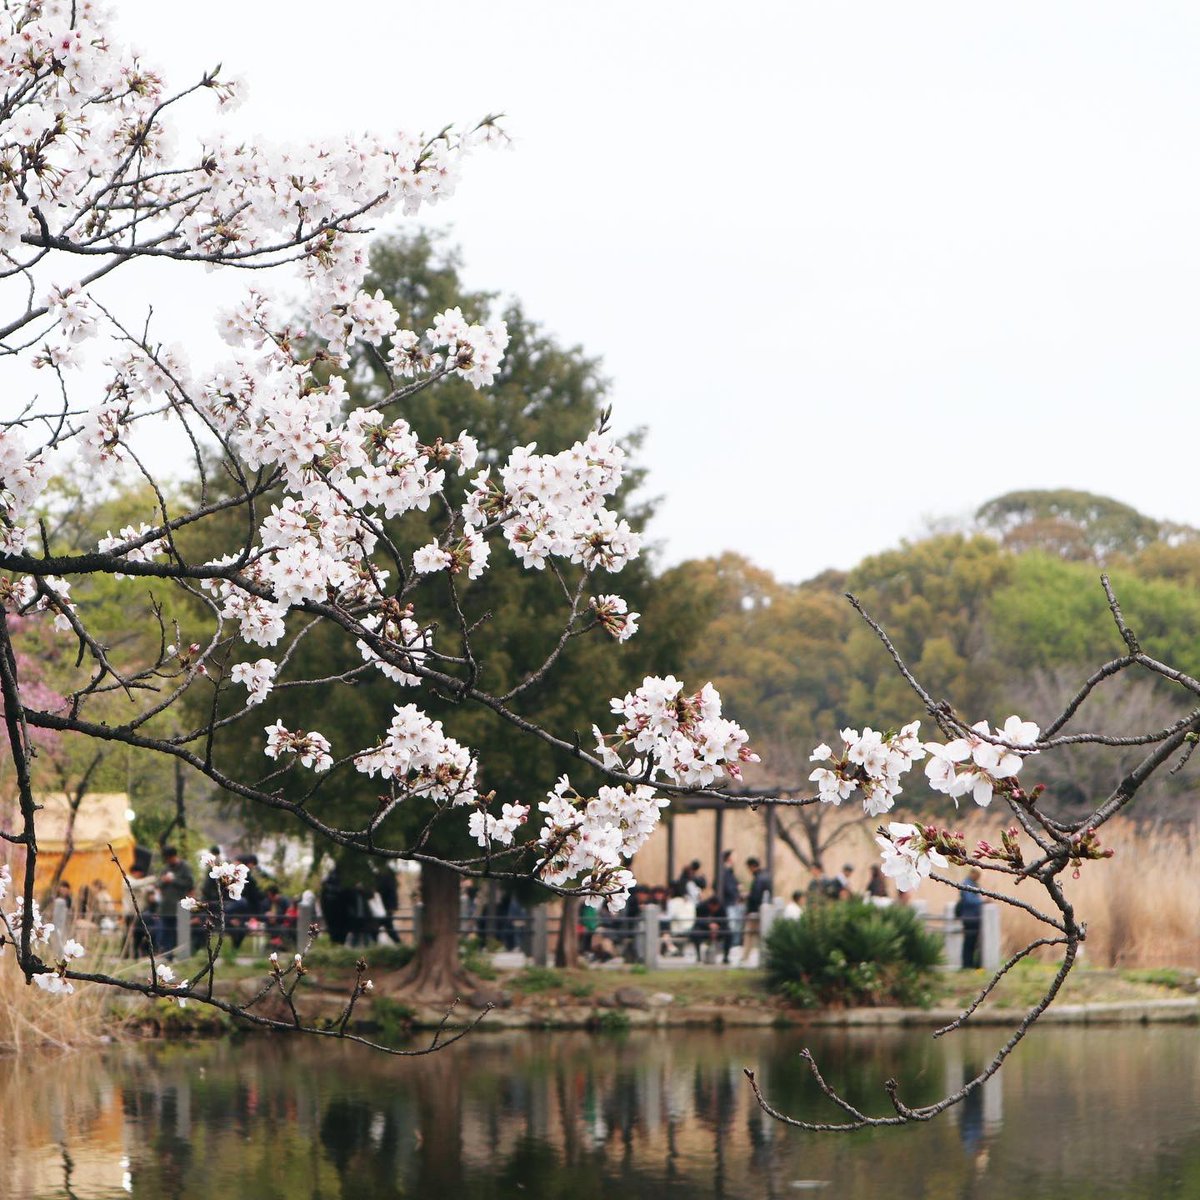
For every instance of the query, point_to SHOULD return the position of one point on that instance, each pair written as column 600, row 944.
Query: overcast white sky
column 852, row 264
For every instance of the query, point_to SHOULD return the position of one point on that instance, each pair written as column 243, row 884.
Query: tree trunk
column 566, row 948
column 436, row 973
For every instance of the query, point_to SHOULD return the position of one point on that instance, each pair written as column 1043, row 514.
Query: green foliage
column 537, row 979
column 1168, row 977
column 393, row 1019
column 851, row 953
column 170, row 1019
column 476, row 960
column 121, row 615
column 613, row 1020
column 992, row 628
column 1072, row 525
column 386, row 956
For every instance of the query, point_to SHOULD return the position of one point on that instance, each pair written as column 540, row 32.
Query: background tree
column 1079, row 526
column 544, row 393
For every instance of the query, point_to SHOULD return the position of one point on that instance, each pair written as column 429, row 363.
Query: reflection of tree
column 439, row 1163
column 524, row 1116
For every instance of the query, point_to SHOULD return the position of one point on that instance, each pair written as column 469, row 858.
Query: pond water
column 1076, row 1113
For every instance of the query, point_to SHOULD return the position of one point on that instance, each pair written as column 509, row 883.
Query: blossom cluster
column 230, row 876
column 554, row 504
column 133, row 545
column 311, row 748
column 486, row 828
column 974, row 763
column 909, row 854
column 682, row 737
column 588, row 838
column 419, row 756
column 40, row 935
column 401, row 638
column 472, row 351
column 87, row 134
column 88, row 163
column 258, row 678
column 872, row 761
column 23, row 476
column 614, row 617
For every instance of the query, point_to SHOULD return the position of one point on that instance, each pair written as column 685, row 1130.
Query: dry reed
column 1142, row 906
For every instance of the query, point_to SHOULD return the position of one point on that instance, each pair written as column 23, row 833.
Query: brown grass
column 32, row 1019
column 1142, row 906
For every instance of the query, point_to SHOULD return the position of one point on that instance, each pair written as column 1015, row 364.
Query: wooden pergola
column 747, row 799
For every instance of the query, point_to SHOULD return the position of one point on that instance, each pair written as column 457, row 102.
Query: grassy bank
column 535, row 996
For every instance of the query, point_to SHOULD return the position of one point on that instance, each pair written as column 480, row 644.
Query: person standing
column 818, row 885
column 693, row 881
column 730, row 893
column 175, row 881
column 388, row 892
column 759, row 894
column 842, row 879
column 969, row 910
column 728, row 887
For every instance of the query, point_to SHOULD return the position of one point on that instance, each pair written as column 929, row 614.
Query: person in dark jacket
column 877, row 887
column 711, row 928
column 240, row 913
column 389, row 896
column 336, row 910
column 969, row 910
column 759, row 894
column 728, row 889
column 175, row 881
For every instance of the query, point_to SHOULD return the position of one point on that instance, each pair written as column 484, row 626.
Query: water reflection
column 1099, row 1113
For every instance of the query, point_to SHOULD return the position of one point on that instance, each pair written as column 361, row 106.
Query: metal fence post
column 60, row 918
column 305, row 915
column 183, row 932
column 540, row 941
column 651, row 916
column 952, row 938
column 767, row 916
column 989, row 937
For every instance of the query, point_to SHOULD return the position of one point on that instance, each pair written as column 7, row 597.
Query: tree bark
column 566, row 948
column 437, row 973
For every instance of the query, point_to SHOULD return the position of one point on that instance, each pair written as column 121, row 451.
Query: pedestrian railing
column 649, row 936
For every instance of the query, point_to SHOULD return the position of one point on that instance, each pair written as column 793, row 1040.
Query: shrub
column 612, row 1020
column 385, row 956
column 537, row 979
column 476, row 960
column 852, row 953
column 392, row 1018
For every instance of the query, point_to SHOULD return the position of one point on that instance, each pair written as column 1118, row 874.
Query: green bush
column 476, row 960
column 393, row 1019
column 852, row 953
column 384, row 956
column 612, row 1020
column 537, row 979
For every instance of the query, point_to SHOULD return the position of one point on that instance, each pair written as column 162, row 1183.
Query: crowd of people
column 150, row 905
column 713, row 921
column 703, row 921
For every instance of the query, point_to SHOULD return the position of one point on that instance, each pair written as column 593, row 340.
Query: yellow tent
column 100, row 821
